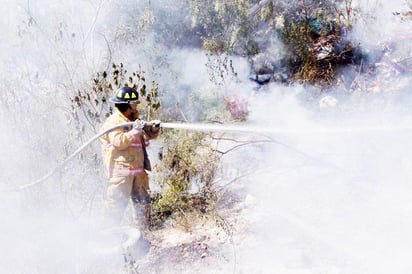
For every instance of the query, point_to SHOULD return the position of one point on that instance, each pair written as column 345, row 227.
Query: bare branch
column 256, row 8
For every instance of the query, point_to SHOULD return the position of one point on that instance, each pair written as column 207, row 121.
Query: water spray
column 284, row 130
column 265, row 129
column 223, row 128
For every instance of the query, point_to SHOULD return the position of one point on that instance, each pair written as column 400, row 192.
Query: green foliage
column 309, row 28
column 267, row 12
column 222, row 23
column 187, row 161
column 238, row 26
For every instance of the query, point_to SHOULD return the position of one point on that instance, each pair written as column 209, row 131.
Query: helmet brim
column 116, row 100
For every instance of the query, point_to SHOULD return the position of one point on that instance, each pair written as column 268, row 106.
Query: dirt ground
column 198, row 244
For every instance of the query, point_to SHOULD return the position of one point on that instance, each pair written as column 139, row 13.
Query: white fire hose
column 217, row 127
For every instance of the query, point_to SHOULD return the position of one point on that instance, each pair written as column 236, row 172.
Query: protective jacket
column 124, row 155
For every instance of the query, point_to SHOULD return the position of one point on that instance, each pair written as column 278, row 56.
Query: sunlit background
column 314, row 201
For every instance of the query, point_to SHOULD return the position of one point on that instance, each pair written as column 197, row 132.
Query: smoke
column 334, row 202
column 48, row 48
column 323, row 202
column 329, row 202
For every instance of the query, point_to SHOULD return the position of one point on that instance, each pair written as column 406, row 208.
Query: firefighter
column 126, row 160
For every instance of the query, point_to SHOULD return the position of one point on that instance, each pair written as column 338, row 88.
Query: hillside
column 284, row 147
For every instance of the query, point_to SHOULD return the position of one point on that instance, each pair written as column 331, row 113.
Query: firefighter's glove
column 137, row 129
column 138, row 125
column 155, row 126
column 155, row 123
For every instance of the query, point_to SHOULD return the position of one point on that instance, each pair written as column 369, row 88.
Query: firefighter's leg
column 117, row 197
column 141, row 202
column 141, row 215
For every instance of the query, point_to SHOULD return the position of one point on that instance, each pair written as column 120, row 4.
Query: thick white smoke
column 330, row 202
column 326, row 202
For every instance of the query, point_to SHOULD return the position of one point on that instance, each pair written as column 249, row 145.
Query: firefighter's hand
column 155, row 123
column 155, row 126
column 138, row 125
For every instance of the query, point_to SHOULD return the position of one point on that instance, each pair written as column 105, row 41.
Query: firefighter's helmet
column 125, row 95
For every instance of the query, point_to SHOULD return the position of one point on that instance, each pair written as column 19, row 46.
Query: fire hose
column 213, row 127
column 74, row 154
column 191, row 126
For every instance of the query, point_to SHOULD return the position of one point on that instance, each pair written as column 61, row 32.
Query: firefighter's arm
column 121, row 139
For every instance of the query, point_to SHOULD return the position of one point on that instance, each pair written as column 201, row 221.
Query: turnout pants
column 134, row 188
